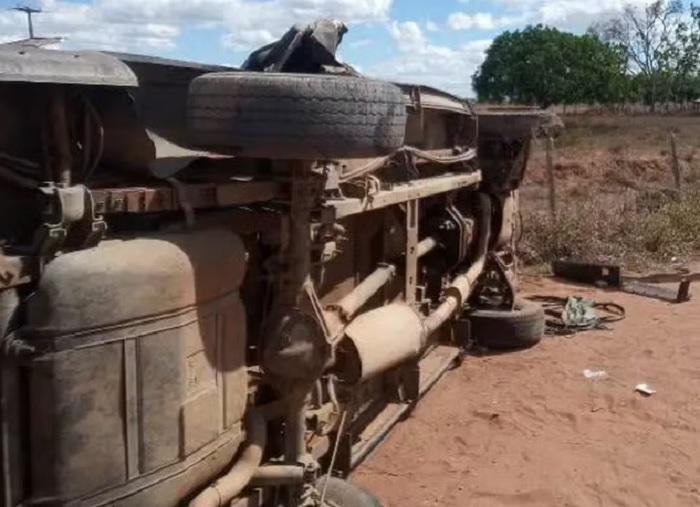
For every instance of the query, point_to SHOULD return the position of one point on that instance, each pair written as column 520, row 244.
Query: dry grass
column 615, row 201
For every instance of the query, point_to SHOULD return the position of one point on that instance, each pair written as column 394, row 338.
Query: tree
column 596, row 71
column 661, row 44
column 543, row 66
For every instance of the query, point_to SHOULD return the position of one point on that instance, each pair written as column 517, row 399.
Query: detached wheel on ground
column 519, row 328
column 295, row 116
column 340, row 493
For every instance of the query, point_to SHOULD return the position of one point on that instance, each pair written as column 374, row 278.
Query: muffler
column 378, row 341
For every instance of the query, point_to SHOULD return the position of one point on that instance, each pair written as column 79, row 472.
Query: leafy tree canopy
column 661, row 45
column 543, row 66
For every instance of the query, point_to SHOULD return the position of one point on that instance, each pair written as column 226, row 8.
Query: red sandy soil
column 528, row 429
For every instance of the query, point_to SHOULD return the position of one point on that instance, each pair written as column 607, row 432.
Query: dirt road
column 528, row 429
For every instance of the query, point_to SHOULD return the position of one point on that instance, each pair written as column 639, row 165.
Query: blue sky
column 435, row 42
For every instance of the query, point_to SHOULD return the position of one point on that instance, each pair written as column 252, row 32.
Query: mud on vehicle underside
column 222, row 284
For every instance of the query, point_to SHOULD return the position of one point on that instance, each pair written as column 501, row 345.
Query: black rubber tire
column 340, row 493
column 519, row 328
column 295, row 116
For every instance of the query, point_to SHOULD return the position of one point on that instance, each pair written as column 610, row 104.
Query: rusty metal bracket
column 417, row 104
column 59, row 207
column 495, row 284
column 70, row 220
column 461, row 333
column 16, row 271
column 12, row 346
column 464, row 229
column 411, row 286
column 184, row 201
column 409, row 163
column 683, row 293
column 411, row 381
column 88, row 231
column 507, row 276
column 200, row 195
column 405, row 383
column 343, row 461
column 404, row 192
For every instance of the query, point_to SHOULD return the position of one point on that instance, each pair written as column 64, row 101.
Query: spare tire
column 519, row 328
column 295, row 116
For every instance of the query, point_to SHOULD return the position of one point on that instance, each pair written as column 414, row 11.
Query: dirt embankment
column 612, row 153
column 616, row 196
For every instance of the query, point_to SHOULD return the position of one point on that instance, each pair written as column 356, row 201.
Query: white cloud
column 85, row 25
column 278, row 15
column 574, row 14
column 407, row 34
column 421, row 62
column 246, row 39
column 565, row 14
column 361, row 43
column 157, row 24
column 519, row 4
column 169, row 11
column 481, row 21
column 7, row 38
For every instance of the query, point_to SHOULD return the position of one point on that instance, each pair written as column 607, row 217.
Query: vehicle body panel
column 149, row 285
column 35, row 65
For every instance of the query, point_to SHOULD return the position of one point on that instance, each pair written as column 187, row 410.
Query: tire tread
column 504, row 330
column 296, row 116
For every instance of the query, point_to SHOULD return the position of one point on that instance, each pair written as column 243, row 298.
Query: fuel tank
column 137, row 386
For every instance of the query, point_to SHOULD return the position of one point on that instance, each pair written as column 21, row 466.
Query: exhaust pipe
column 383, row 338
column 229, row 486
column 353, row 301
column 378, row 340
column 462, row 286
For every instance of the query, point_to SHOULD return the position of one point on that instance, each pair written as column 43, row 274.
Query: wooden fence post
column 676, row 164
column 550, row 176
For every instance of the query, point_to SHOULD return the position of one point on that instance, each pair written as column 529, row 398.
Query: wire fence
column 689, row 108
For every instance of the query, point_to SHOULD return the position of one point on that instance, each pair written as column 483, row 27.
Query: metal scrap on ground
column 611, row 276
column 574, row 314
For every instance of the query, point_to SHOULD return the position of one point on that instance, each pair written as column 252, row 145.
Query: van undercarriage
column 226, row 285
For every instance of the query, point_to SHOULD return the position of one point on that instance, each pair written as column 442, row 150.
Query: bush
column 637, row 229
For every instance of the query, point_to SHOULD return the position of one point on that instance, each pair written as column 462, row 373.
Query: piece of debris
column 488, row 416
column 595, row 374
column 605, row 275
column 680, row 295
column 644, row 389
column 577, row 313
column 588, row 273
